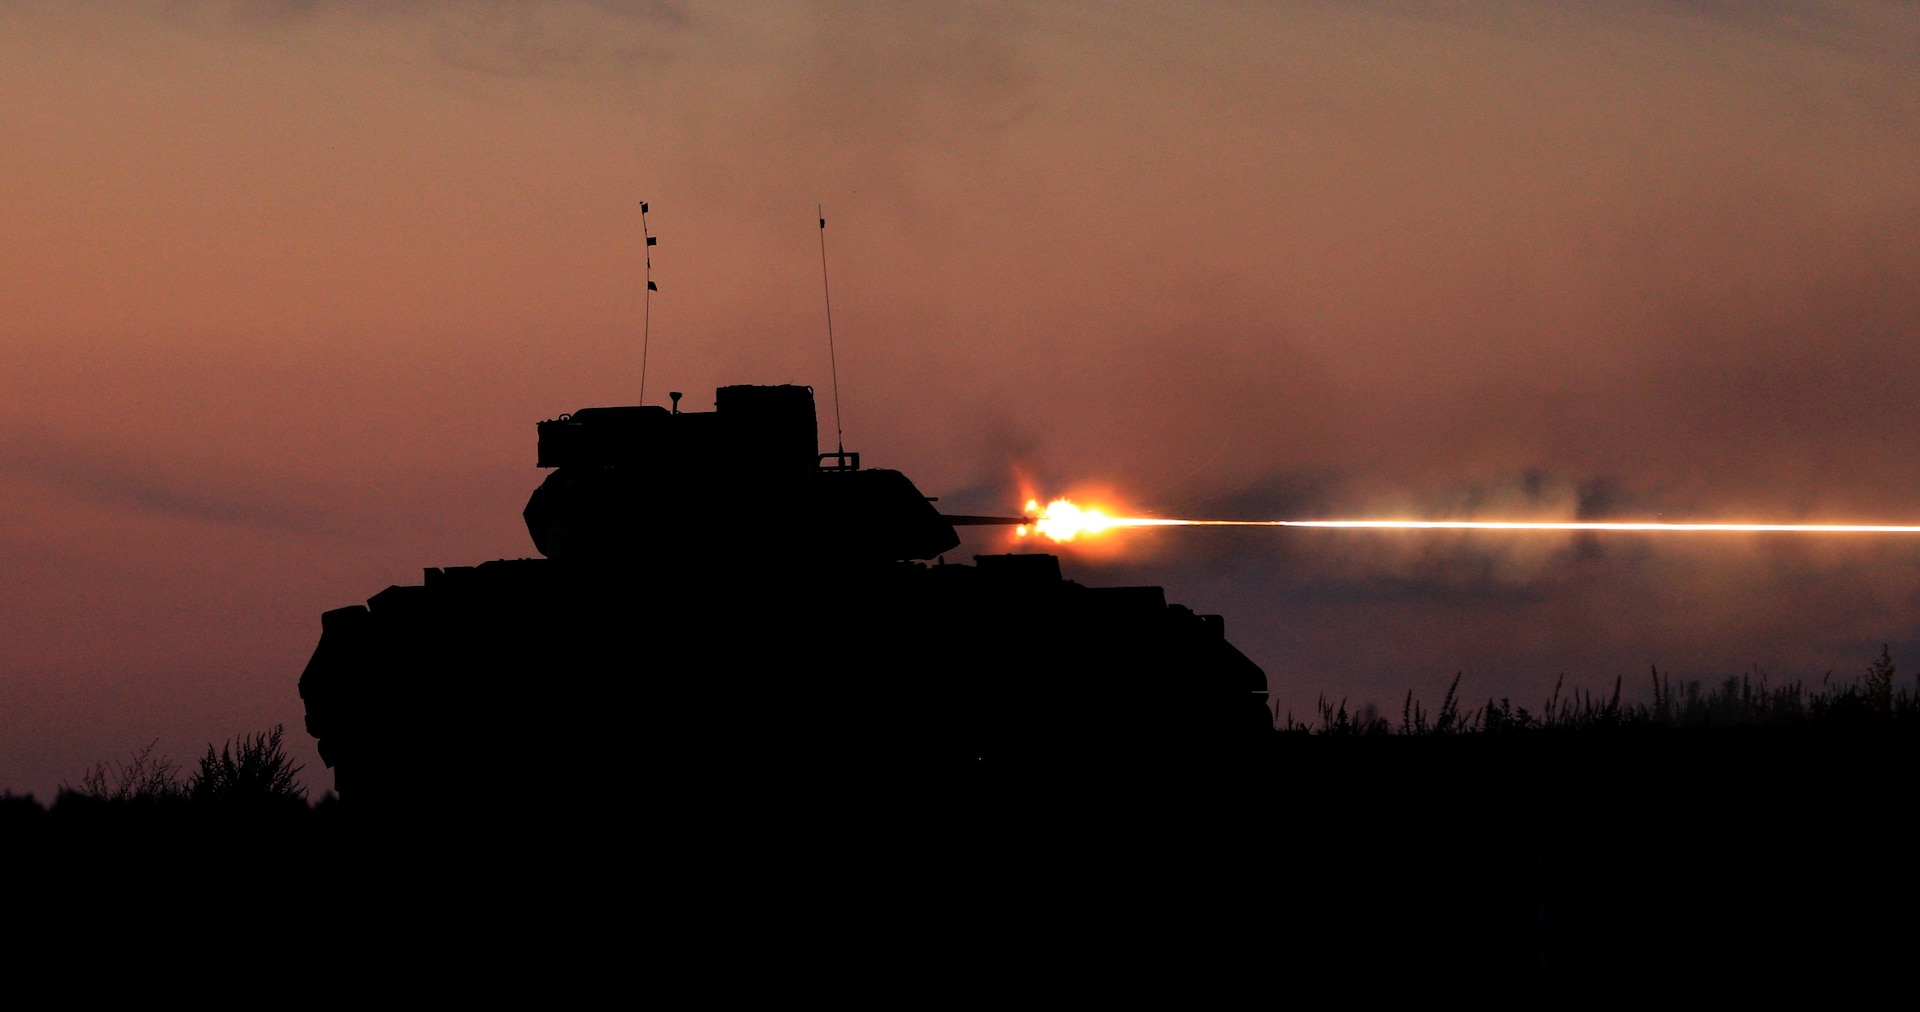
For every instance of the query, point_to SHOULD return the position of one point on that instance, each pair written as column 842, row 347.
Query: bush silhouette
column 144, row 778
column 252, row 770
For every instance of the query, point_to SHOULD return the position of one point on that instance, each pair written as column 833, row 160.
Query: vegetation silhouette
column 140, row 842
column 253, row 770
column 1603, row 842
column 143, row 778
column 1746, row 700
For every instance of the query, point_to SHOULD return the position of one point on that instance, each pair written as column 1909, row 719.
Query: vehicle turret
column 743, row 479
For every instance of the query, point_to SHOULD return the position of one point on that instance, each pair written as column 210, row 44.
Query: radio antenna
column 646, row 310
column 833, row 362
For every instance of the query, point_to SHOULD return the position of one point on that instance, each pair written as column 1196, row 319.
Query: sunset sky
column 285, row 286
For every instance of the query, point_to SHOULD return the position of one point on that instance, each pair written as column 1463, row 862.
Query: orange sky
column 286, row 286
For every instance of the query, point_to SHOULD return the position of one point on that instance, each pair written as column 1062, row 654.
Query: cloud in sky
column 124, row 479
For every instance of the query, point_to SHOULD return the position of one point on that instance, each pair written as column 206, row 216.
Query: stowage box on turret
column 717, row 596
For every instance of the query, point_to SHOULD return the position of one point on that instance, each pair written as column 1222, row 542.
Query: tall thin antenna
column 833, row 361
column 646, row 312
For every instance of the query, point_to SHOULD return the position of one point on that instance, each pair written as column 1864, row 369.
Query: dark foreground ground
column 1525, row 868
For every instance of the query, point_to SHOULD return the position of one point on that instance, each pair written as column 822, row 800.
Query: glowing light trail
column 1064, row 521
column 1513, row 525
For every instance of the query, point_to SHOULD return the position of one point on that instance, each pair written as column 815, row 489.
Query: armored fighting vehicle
column 720, row 599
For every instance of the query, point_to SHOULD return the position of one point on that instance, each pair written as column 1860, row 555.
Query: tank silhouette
column 718, row 597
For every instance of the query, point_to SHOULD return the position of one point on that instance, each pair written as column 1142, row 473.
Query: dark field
column 1733, row 836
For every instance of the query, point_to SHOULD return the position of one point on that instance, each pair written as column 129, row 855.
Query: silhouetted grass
column 1748, row 700
column 144, row 778
column 251, row 771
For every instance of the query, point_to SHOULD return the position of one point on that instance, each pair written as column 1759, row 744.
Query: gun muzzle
column 969, row 520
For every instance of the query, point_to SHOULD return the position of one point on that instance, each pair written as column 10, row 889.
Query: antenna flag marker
column 646, row 311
